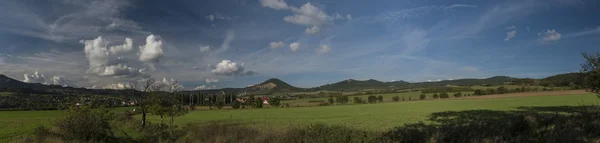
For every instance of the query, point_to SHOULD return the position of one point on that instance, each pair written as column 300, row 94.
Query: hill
column 352, row 84
column 496, row 80
column 273, row 85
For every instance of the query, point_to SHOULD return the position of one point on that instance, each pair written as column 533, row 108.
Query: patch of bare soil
column 527, row 94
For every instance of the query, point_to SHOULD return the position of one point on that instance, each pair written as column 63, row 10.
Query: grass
column 376, row 117
column 370, row 117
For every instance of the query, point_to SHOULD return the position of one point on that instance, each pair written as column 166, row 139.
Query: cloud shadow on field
column 525, row 124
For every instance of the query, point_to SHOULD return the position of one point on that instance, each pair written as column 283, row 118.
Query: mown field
column 373, row 117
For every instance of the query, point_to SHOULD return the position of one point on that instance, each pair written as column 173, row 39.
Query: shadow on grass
column 526, row 124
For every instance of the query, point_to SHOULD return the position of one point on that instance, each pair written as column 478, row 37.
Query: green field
column 374, row 117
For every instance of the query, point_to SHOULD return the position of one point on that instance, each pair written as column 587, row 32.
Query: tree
column 275, row 101
column 396, row 98
column 435, row 96
column 501, row 90
column 235, row 104
column 422, row 96
column 458, row 94
column 478, row 92
column 141, row 98
column 330, row 100
column 258, row 103
column 444, row 95
column 342, row 99
column 358, row 100
column 380, row 98
column 591, row 71
column 372, row 99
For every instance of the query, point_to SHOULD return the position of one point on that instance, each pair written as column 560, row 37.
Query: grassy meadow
column 371, row 117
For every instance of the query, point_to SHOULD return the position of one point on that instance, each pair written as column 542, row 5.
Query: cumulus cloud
column 226, row 67
column 510, row 27
column 294, row 46
column 307, row 14
column 121, row 70
column 274, row 4
column 172, row 84
column 312, row 30
column 102, row 57
column 550, row 35
column 510, row 35
column 204, row 48
column 38, row 77
column 275, row 45
column 153, row 49
column 126, row 47
column 115, row 86
column 323, row 49
column 210, row 80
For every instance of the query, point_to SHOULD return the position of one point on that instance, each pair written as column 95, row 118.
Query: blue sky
column 236, row 43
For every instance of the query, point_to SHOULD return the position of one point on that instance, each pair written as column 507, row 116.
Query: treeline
column 446, row 89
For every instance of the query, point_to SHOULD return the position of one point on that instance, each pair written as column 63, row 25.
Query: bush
column 396, row 98
column 380, row 98
column 458, row 94
column 444, row 95
column 324, row 104
column 236, row 105
column 372, row 99
column 435, row 96
column 330, row 100
column 422, row 96
column 358, row 100
column 84, row 124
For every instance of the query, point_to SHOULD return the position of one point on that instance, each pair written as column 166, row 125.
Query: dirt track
column 526, row 94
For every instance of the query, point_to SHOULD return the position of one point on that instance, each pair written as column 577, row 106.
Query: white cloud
column 115, row 86
column 550, row 35
column 153, row 49
column 226, row 67
column 510, row 27
column 210, row 17
column 210, row 80
column 218, row 16
column 126, row 47
column 307, row 15
column 37, row 77
column 121, row 70
column 274, row 4
column 337, row 16
column 34, row 78
column 204, row 48
column 324, row 49
column 200, row 87
column 349, row 17
column 510, row 35
column 294, row 46
column 174, row 85
column 275, row 45
column 312, row 30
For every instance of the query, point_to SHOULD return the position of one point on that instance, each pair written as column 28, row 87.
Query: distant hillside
column 496, row 80
column 8, row 84
column 352, row 84
column 568, row 79
column 273, row 85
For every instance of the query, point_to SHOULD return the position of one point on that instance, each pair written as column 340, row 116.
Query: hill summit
column 275, row 85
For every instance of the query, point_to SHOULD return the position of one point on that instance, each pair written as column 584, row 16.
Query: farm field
column 372, row 117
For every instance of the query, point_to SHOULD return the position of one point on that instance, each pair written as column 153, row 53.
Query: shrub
column 435, row 96
column 372, row 99
column 396, row 98
column 324, row 104
column 330, row 100
column 235, row 105
column 220, row 105
column 358, row 100
column 380, row 98
column 444, row 95
column 458, row 94
column 422, row 96
column 84, row 124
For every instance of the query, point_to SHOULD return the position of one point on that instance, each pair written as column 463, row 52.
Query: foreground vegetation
column 372, row 119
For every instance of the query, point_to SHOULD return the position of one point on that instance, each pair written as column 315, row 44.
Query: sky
column 236, row 43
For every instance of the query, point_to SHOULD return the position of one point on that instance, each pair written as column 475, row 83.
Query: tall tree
column 591, row 69
column 141, row 97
